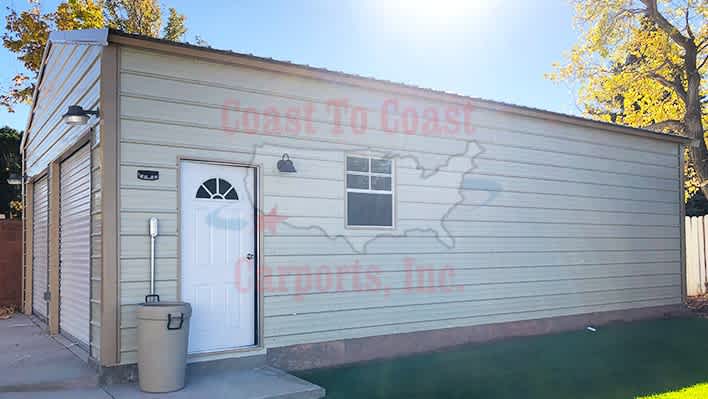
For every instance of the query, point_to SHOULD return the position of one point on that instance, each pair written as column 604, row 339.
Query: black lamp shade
column 76, row 115
column 285, row 165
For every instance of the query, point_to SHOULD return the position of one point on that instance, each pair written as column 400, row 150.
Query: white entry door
column 218, row 254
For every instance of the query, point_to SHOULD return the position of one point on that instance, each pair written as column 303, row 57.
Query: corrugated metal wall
column 96, row 247
column 40, row 246
column 71, row 77
column 74, row 249
column 547, row 219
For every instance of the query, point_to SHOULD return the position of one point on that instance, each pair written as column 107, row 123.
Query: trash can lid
column 160, row 310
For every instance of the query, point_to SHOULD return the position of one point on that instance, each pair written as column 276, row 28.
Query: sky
column 493, row 49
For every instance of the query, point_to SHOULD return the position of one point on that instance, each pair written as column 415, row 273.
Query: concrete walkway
column 257, row 383
column 31, row 360
column 36, row 366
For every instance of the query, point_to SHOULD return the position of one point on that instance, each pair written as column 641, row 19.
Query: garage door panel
column 74, row 245
column 76, row 200
column 76, row 225
column 73, row 176
column 74, row 170
column 76, row 215
column 40, row 245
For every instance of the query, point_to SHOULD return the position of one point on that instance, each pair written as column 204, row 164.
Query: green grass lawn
column 698, row 391
column 625, row 360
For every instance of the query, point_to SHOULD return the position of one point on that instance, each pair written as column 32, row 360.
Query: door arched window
column 216, row 188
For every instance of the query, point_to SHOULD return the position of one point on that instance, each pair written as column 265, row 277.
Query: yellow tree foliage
column 78, row 14
column 26, row 32
column 642, row 63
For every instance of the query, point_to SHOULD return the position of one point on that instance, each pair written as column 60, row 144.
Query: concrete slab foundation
column 262, row 382
column 348, row 351
column 35, row 365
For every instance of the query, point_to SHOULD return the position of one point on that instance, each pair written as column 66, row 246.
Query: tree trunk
column 692, row 118
column 699, row 158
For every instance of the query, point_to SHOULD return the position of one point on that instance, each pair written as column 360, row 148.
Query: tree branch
column 702, row 44
column 675, row 86
column 702, row 62
column 688, row 24
column 653, row 13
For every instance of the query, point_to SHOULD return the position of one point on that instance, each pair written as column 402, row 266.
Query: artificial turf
column 624, row 360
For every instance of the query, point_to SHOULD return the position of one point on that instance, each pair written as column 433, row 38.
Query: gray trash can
column 163, row 333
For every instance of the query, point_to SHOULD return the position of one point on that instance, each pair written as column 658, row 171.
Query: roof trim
column 97, row 37
column 84, row 36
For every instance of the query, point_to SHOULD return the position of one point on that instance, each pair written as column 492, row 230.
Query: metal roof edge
column 84, row 36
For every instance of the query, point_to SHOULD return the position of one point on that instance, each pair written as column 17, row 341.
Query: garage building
column 317, row 218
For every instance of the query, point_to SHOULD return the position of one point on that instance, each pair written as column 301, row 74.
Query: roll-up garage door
column 40, row 245
column 74, row 248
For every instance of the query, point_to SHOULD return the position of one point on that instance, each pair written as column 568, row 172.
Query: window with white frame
column 369, row 192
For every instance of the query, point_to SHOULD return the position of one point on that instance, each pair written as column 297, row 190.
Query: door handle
column 249, row 256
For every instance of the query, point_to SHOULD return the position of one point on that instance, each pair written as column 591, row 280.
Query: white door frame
column 258, row 199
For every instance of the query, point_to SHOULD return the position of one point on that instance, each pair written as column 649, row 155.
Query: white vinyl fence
column 696, row 248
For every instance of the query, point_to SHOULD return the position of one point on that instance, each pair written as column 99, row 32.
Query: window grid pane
column 358, row 181
column 382, row 166
column 358, row 164
column 380, row 183
column 368, row 209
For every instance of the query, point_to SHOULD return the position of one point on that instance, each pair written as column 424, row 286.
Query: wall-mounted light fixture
column 76, row 115
column 14, row 179
column 285, row 165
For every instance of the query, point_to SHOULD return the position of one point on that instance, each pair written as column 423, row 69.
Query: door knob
column 249, row 256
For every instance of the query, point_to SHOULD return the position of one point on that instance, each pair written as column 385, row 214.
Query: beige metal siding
column 71, row 77
column 74, row 248
column 40, row 246
column 548, row 219
column 96, row 246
